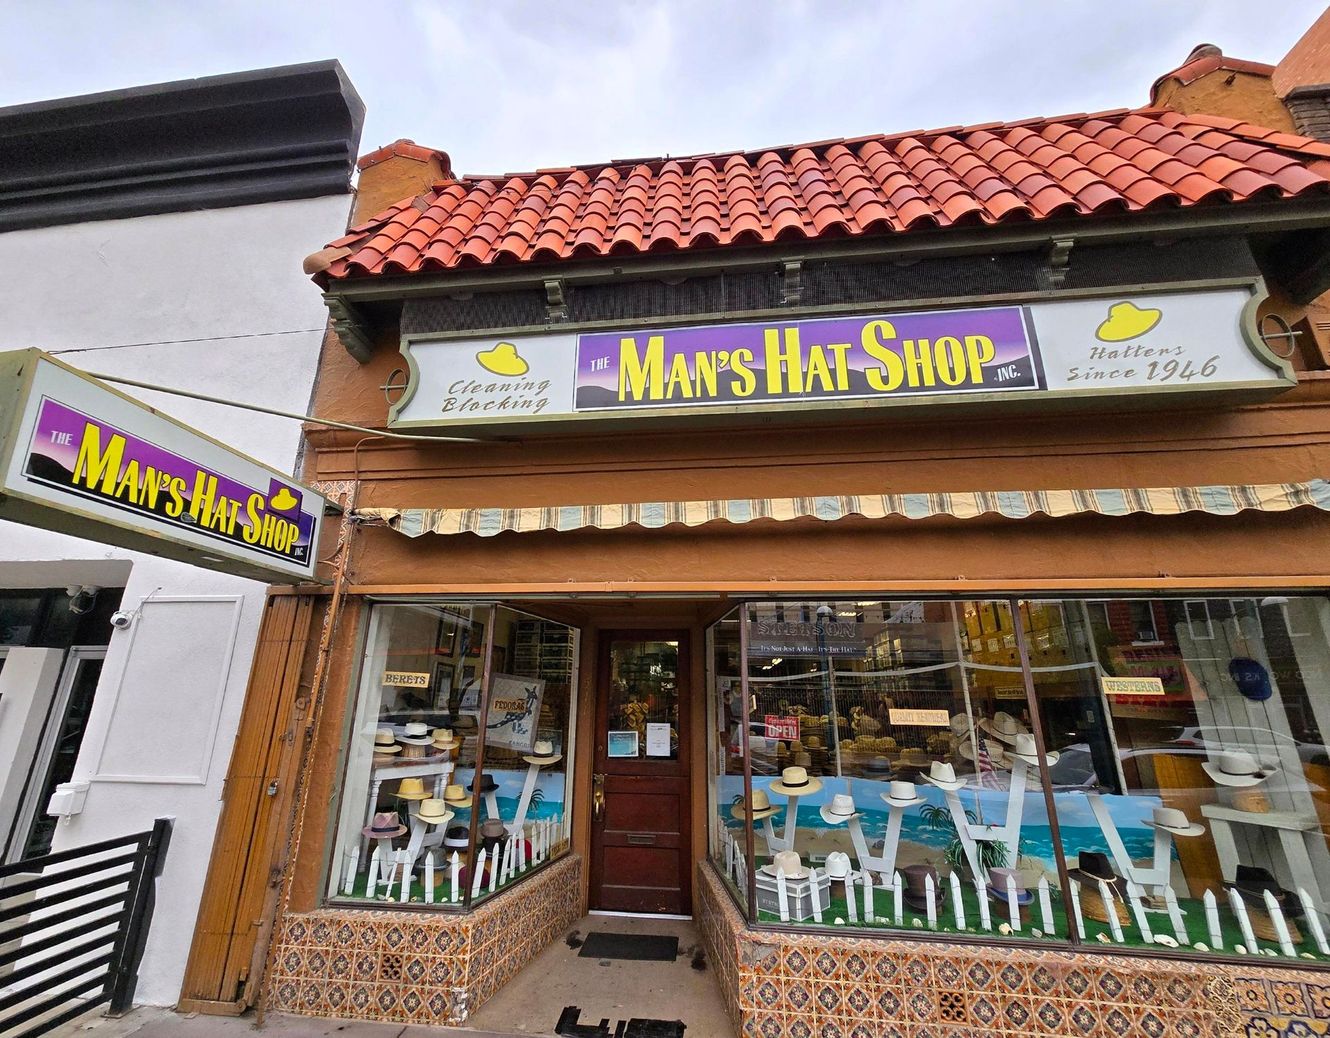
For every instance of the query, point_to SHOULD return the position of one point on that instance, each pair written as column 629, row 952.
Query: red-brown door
column 640, row 851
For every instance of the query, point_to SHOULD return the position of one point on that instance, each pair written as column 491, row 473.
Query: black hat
column 487, row 784
column 1251, row 882
column 916, row 889
column 1095, row 866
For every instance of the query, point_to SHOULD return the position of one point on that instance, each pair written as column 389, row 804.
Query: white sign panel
column 1166, row 343
column 79, row 457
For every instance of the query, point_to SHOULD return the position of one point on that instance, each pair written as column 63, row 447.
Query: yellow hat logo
column 503, row 360
column 283, row 500
column 1126, row 321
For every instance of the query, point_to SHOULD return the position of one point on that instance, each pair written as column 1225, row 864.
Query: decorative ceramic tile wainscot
column 418, row 967
column 810, row 986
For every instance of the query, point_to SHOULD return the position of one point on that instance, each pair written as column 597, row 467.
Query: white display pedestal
column 884, row 864
column 1158, row 876
column 1292, row 829
column 971, row 834
column 784, row 842
column 528, row 788
column 439, row 770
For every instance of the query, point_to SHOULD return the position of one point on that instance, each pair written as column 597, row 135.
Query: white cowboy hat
column 997, row 753
column 961, row 724
column 838, row 865
column 761, row 807
column 1171, row 820
column 1025, row 749
column 435, row 812
column 796, row 782
column 1238, row 768
column 787, row 862
column 1003, row 726
column 943, row 775
column 902, row 794
column 840, row 810
column 543, row 753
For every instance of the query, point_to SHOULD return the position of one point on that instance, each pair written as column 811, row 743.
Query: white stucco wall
column 215, row 302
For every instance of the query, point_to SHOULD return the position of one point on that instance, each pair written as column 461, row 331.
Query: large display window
column 457, row 761
column 1129, row 773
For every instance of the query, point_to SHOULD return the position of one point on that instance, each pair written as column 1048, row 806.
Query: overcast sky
column 508, row 86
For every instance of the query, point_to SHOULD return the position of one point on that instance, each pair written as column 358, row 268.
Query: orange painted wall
column 1236, row 95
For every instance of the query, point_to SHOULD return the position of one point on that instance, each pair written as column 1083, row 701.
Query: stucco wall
column 163, row 299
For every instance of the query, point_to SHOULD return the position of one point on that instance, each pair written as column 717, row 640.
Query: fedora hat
column 838, row 865
column 902, row 794
column 1251, row 882
column 1171, row 820
column 487, row 784
column 543, row 753
column 761, row 807
column 434, row 811
column 803, row 759
column 814, row 742
column 412, row 789
column 1238, row 768
column 456, row 837
column 912, row 757
column 444, row 739
column 456, row 796
column 916, row 886
column 383, row 737
column 840, row 810
column 384, row 825
column 878, row 766
column 997, row 885
column 787, row 862
column 796, row 782
column 1093, row 866
column 492, row 829
column 1003, row 726
column 1023, row 748
column 943, row 775
column 415, row 733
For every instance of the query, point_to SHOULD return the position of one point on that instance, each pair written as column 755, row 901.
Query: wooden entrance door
column 640, row 850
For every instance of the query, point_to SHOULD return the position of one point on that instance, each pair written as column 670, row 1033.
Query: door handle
column 597, row 795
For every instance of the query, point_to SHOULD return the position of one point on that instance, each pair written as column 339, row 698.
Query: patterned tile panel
column 418, row 967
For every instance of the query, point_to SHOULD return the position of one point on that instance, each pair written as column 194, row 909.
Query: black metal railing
column 72, row 929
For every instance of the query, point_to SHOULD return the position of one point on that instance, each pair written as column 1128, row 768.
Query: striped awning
column 1010, row 504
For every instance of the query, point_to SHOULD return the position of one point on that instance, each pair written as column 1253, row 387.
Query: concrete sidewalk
column 164, row 1023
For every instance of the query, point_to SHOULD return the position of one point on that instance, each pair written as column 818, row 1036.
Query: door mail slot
column 641, row 839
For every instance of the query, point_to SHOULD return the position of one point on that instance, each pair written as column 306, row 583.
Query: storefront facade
column 866, row 548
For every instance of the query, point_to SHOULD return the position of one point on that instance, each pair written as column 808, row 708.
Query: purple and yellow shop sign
column 79, row 457
column 821, row 358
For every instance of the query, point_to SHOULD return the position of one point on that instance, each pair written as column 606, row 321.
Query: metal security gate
column 72, row 929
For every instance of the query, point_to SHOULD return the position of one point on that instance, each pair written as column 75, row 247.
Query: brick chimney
column 400, row 170
column 1302, row 80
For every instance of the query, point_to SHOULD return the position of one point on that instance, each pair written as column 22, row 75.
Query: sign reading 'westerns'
column 1179, row 343
column 79, row 457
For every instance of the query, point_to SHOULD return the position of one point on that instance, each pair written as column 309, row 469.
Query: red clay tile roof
column 1040, row 169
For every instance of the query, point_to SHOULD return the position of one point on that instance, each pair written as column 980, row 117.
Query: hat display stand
column 971, row 834
column 518, row 824
column 1288, row 833
column 1155, row 878
column 881, row 865
column 438, row 770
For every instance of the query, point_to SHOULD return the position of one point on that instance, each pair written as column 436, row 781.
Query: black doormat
column 602, row 944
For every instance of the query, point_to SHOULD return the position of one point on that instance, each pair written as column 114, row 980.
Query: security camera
column 121, row 619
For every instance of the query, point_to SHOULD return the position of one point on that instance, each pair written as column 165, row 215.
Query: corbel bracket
column 1059, row 261
column 351, row 328
column 556, row 302
column 792, row 283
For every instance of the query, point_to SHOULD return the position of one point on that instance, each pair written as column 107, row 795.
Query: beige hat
column 384, row 737
column 412, row 789
column 543, row 753
column 796, row 782
column 761, row 807
column 456, row 795
column 433, row 811
column 1004, row 727
column 787, row 862
column 444, row 739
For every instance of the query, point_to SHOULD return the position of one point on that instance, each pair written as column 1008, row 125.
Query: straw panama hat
column 1024, row 749
column 543, row 753
column 1003, row 726
column 1171, row 820
column 412, row 789
column 444, row 739
column 761, row 807
column 433, row 811
column 943, row 775
column 415, row 733
column 788, row 862
column 902, row 794
column 796, row 782
column 840, row 810
column 1238, row 768
column 456, row 795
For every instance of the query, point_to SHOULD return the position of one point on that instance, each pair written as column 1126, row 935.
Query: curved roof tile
column 1037, row 169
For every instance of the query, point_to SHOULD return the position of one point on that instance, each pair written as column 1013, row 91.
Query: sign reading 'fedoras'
column 1166, row 343
column 80, row 457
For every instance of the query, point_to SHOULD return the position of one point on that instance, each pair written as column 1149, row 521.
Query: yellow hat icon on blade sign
column 283, row 500
column 1126, row 321
column 503, row 360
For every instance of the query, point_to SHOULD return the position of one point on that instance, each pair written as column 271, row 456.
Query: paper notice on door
column 658, row 739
